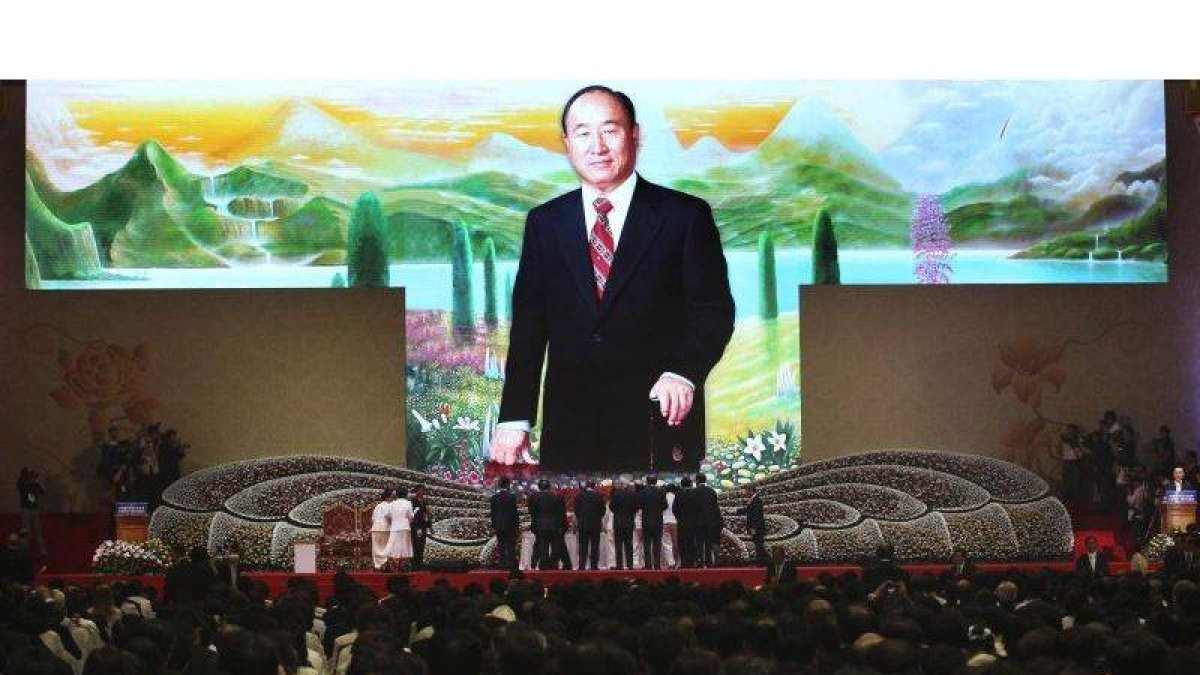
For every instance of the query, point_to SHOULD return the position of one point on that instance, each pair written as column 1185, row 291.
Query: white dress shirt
column 620, row 198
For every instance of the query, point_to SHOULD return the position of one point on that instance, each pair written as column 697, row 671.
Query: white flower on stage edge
column 467, row 424
column 755, row 447
column 778, row 441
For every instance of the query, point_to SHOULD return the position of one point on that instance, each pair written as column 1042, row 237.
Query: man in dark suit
column 624, row 505
column 505, row 522
column 756, row 523
column 685, row 523
column 622, row 285
column 653, row 502
column 1178, row 482
column 548, row 515
column 1092, row 562
column 589, row 515
column 422, row 522
column 709, row 522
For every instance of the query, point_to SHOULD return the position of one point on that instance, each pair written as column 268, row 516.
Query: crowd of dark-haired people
column 208, row 620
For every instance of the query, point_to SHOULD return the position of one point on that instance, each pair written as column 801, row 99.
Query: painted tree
column 824, row 251
column 490, row 314
column 768, row 288
column 931, row 244
column 508, row 284
column 367, row 244
column 463, row 272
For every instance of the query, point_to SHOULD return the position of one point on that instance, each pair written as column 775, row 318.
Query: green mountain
column 57, row 250
column 250, row 182
column 1143, row 237
column 1022, row 216
column 149, row 213
column 318, row 226
column 33, row 274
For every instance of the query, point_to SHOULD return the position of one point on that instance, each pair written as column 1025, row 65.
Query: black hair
column 621, row 98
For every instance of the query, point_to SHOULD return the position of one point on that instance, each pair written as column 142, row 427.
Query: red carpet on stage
column 747, row 576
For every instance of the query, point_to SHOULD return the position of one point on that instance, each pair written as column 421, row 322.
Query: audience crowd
column 879, row 621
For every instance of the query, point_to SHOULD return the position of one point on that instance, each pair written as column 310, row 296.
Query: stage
column 750, row 577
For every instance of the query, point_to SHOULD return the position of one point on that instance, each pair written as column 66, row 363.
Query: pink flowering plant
column 131, row 558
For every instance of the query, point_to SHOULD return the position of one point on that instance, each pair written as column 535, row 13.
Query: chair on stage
column 344, row 542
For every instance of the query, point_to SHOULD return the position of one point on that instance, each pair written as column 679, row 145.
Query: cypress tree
column 824, row 251
column 367, row 244
column 508, row 284
column 768, row 290
column 490, row 315
column 462, row 263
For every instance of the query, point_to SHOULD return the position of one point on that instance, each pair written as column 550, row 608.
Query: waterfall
column 1119, row 258
column 271, row 202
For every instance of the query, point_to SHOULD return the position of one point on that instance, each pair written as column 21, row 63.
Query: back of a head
column 1136, row 652
column 892, row 655
column 108, row 660
column 696, row 662
column 36, row 660
column 659, row 642
column 746, row 665
column 522, row 650
column 245, row 653
column 599, row 658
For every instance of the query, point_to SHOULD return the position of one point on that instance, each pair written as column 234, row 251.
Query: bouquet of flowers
column 129, row 558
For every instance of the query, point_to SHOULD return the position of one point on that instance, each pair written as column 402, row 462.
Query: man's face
column 601, row 141
column 1178, row 474
column 1091, row 545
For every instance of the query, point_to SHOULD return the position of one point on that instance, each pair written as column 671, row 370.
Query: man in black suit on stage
column 709, row 522
column 685, row 523
column 623, row 288
column 653, row 503
column 505, row 523
column 756, row 523
column 589, row 515
column 624, row 505
column 1178, row 481
column 548, row 516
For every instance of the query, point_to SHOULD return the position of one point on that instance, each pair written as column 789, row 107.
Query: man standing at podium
column 1178, row 482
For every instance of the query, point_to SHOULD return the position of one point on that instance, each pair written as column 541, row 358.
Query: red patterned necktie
column 600, row 245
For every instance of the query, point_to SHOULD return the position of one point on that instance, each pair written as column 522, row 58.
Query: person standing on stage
column 625, row 507
column 422, row 523
column 671, row 524
column 502, row 509
column 548, row 515
column 685, row 518
column 381, row 529
column 756, row 523
column 400, row 514
column 709, row 522
column 653, row 503
column 30, row 490
column 589, row 516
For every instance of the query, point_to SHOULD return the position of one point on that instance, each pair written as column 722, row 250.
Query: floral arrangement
column 1157, row 547
column 131, row 558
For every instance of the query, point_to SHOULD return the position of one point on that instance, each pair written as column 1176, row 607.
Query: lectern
column 1178, row 510
column 133, row 521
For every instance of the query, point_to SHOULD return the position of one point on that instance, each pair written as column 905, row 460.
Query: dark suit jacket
column 1082, row 566
column 624, row 505
column 756, row 522
column 685, row 507
column 667, row 307
column 654, row 502
column 708, row 512
column 548, row 511
column 589, row 510
column 1170, row 486
column 503, row 508
column 422, row 518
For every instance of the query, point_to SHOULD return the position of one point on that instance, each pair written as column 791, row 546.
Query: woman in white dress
column 671, row 535
column 381, row 529
column 400, row 512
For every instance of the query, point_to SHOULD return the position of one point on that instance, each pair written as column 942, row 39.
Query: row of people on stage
column 399, row 528
column 679, row 525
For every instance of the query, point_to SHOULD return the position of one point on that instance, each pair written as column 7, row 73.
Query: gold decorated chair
column 343, row 541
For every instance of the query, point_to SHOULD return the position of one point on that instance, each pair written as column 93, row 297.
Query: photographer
column 30, row 490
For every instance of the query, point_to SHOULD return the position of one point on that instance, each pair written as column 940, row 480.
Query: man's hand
column 674, row 398
column 510, row 446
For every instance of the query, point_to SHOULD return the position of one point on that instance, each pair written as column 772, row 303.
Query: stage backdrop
column 987, row 370
column 238, row 373
column 425, row 186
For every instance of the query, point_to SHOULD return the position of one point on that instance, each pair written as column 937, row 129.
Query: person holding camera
column 30, row 490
